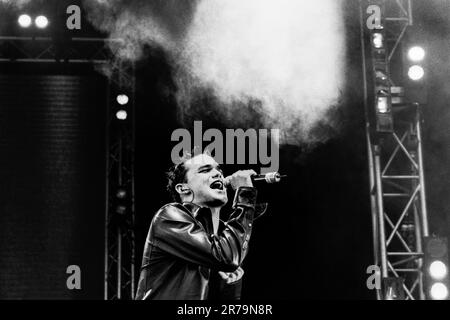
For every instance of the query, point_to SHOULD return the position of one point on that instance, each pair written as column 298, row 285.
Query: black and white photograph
column 225, row 155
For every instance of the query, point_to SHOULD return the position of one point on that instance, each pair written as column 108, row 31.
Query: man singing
column 189, row 252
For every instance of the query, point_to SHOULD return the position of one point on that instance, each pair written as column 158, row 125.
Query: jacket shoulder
column 173, row 211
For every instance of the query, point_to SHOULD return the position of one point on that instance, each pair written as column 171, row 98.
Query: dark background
column 52, row 123
column 315, row 240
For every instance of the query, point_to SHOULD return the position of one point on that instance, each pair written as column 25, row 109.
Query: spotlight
column 121, row 115
column 41, row 22
column 121, row 210
column 415, row 68
column 416, row 54
column 397, row 95
column 380, row 75
column 121, row 194
column 383, row 111
column 24, row 20
column 435, row 268
column 382, row 104
column 415, row 72
column 439, row 291
column 438, row 270
column 377, row 40
column 122, row 99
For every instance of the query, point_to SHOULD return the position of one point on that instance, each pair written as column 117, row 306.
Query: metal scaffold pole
column 373, row 200
column 120, row 209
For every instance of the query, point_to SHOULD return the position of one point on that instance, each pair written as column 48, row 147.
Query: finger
column 240, row 272
column 223, row 275
column 232, row 277
column 237, row 275
column 245, row 173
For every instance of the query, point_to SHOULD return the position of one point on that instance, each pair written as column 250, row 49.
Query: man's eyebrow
column 206, row 166
column 210, row 166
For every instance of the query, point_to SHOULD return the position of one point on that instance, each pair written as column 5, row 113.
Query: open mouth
column 218, row 185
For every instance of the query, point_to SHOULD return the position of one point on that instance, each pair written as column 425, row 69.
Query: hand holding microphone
column 241, row 178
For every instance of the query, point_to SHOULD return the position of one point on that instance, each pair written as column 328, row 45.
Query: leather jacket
column 182, row 255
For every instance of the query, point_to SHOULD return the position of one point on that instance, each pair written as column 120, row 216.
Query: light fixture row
column 25, row 21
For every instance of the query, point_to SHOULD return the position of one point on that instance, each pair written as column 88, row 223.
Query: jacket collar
column 192, row 207
column 201, row 214
column 195, row 210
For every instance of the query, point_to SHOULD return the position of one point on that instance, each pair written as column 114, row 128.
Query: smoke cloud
column 285, row 55
column 156, row 23
column 16, row 3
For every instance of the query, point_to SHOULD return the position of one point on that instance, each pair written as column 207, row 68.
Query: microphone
column 269, row 177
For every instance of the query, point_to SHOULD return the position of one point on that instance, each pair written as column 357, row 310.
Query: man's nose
column 217, row 174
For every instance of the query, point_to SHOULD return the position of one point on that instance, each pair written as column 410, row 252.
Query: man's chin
column 216, row 204
column 218, row 201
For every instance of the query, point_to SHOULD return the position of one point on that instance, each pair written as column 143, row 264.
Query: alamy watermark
column 74, row 279
column 374, row 279
column 233, row 144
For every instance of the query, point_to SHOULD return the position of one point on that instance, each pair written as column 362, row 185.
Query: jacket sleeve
column 230, row 291
column 181, row 235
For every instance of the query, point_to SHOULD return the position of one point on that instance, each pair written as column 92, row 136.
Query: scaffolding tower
column 119, row 246
column 119, row 281
column 394, row 144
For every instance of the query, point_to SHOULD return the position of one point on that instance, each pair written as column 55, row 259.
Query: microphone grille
column 272, row 177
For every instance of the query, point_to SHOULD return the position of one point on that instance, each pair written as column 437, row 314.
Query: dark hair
column 176, row 175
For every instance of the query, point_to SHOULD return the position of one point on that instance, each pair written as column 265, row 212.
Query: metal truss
column 119, row 247
column 49, row 49
column 399, row 190
column 120, row 207
column 397, row 187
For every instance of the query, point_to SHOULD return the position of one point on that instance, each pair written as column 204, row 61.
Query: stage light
column 415, row 72
column 122, row 99
column 438, row 270
column 24, row 20
column 416, row 54
column 121, row 210
column 397, row 95
column 377, row 40
column 41, row 22
column 415, row 68
column 435, row 267
column 121, row 194
column 382, row 105
column 439, row 291
column 121, row 115
column 380, row 75
column 383, row 110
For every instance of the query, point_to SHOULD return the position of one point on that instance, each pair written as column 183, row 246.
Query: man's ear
column 181, row 188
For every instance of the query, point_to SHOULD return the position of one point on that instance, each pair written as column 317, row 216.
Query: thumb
column 227, row 181
column 223, row 275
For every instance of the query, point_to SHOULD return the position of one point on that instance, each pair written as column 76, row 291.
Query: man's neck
column 215, row 216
